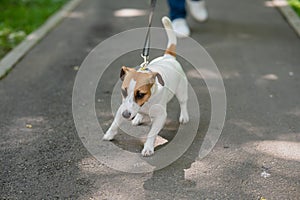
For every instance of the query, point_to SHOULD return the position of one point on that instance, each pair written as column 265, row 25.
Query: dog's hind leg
column 182, row 96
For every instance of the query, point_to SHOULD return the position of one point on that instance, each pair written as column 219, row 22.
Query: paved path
column 258, row 55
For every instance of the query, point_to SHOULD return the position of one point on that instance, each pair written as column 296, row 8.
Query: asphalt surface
column 257, row 54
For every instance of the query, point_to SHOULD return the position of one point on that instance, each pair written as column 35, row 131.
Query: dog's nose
column 126, row 114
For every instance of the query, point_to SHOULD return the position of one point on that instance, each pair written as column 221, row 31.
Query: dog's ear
column 160, row 79
column 124, row 71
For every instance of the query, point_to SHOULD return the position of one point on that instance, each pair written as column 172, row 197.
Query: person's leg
column 177, row 9
column 198, row 9
column 177, row 15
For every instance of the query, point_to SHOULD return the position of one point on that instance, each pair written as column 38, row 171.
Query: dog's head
column 137, row 88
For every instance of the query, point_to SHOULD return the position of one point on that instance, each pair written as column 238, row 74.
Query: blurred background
column 18, row 18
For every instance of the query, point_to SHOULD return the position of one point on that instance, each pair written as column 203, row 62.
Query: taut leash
column 146, row 49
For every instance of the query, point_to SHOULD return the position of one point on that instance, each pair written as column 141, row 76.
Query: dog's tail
column 172, row 40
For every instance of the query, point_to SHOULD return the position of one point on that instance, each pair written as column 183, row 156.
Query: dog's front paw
column 184, row 118
column 148, row 151
column 137, row 120
column 109, row 135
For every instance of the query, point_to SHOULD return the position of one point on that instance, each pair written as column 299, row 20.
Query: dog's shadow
column 169, row 180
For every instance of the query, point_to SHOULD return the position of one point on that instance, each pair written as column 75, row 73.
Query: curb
column 11, row 58
column 291, row 16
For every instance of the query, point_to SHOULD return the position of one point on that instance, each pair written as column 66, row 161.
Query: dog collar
column 143, row 69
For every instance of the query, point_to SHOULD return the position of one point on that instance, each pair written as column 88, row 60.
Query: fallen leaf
column 28, row 126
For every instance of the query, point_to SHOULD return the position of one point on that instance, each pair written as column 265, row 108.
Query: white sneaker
column 181, row 27
column 198, row 10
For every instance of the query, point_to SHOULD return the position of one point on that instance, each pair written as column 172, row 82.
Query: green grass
column 295, row 4
column 18, row 18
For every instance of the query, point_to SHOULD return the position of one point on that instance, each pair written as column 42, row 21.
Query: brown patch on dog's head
column 126, row 75
column 142, row 90
column 143, row 85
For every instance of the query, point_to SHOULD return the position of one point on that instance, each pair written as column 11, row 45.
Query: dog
column 146, row 92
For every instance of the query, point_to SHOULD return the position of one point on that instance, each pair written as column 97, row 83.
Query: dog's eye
column 140, row 95
column 124, row 92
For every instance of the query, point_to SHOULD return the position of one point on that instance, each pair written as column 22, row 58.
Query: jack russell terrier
column 146, row 92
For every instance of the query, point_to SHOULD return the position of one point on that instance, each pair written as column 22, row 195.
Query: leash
column 146, row 49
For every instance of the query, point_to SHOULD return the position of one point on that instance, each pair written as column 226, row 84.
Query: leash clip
column 145, row 63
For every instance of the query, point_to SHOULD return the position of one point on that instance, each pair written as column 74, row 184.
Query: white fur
column 175, row 82
column 169, row 29
column 128, row 102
